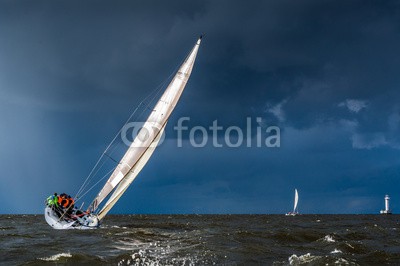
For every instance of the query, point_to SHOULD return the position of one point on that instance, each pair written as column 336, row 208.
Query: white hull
column 291, row 214
column 86, row 222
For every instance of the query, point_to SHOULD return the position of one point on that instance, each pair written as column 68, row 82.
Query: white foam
column 57, row 257
column 329, row 238
column 335, row 251
column 147, row 257
column 342, row 261
column 306, row 258
column 156, row 254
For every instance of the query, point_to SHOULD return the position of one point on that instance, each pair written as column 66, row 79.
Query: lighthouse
column 387, row 209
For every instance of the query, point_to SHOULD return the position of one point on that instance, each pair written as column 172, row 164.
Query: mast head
column 199, row 40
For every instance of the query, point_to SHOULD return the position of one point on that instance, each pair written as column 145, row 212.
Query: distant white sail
column 147, row 139
column 296, row 200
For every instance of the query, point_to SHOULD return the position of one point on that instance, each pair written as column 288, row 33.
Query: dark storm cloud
column 85, row 50
column 326, row 72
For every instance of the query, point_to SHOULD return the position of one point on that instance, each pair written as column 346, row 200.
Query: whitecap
column 57, row 257
column 335, row 251
column 329, row 238
column 342, row 261
column 306, row 258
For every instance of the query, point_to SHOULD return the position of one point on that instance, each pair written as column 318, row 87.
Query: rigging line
column 111, row 143
column 130, row 170
column 65, row 212
column 96, row 183
column 98, row 169
column 155, row 94
column 88, row 183
column 150, row 102
column 157, row 90
column 102, row 155
column 112, row 159
column 98, row 210
column 163, row 84
column 115, row 137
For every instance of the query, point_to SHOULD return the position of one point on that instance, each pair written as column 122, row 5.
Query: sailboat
column 132, row 162
column 296, row 201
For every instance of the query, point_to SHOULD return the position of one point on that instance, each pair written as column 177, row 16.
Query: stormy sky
column 325, row 72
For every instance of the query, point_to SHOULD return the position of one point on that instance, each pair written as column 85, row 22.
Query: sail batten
column 147, row 138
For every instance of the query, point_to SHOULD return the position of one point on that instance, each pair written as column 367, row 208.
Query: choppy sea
column 205, row 240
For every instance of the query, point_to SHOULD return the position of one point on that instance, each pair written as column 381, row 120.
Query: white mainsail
column 146, row 140
column 296, row 200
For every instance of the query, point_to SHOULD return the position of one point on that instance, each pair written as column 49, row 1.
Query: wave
column 69, row 259
column 146, row 257
column 4, row 228
column 292, row 236
column 302, row 259
column 57, row 257
column 341, row 261
column 143, row 234
column 335, row 251
column 205, row 240
column 308, row 259
column 112, row 227
column 328, row 239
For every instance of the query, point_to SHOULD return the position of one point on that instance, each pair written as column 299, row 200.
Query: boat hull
column 86, row 222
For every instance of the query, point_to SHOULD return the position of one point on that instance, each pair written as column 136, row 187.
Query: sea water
column 205, row 240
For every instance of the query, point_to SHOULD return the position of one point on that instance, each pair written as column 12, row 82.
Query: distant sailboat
column 129, row 166
column 296, row 201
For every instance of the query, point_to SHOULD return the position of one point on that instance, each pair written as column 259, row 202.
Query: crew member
column 52, row 200
column 66, row 201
